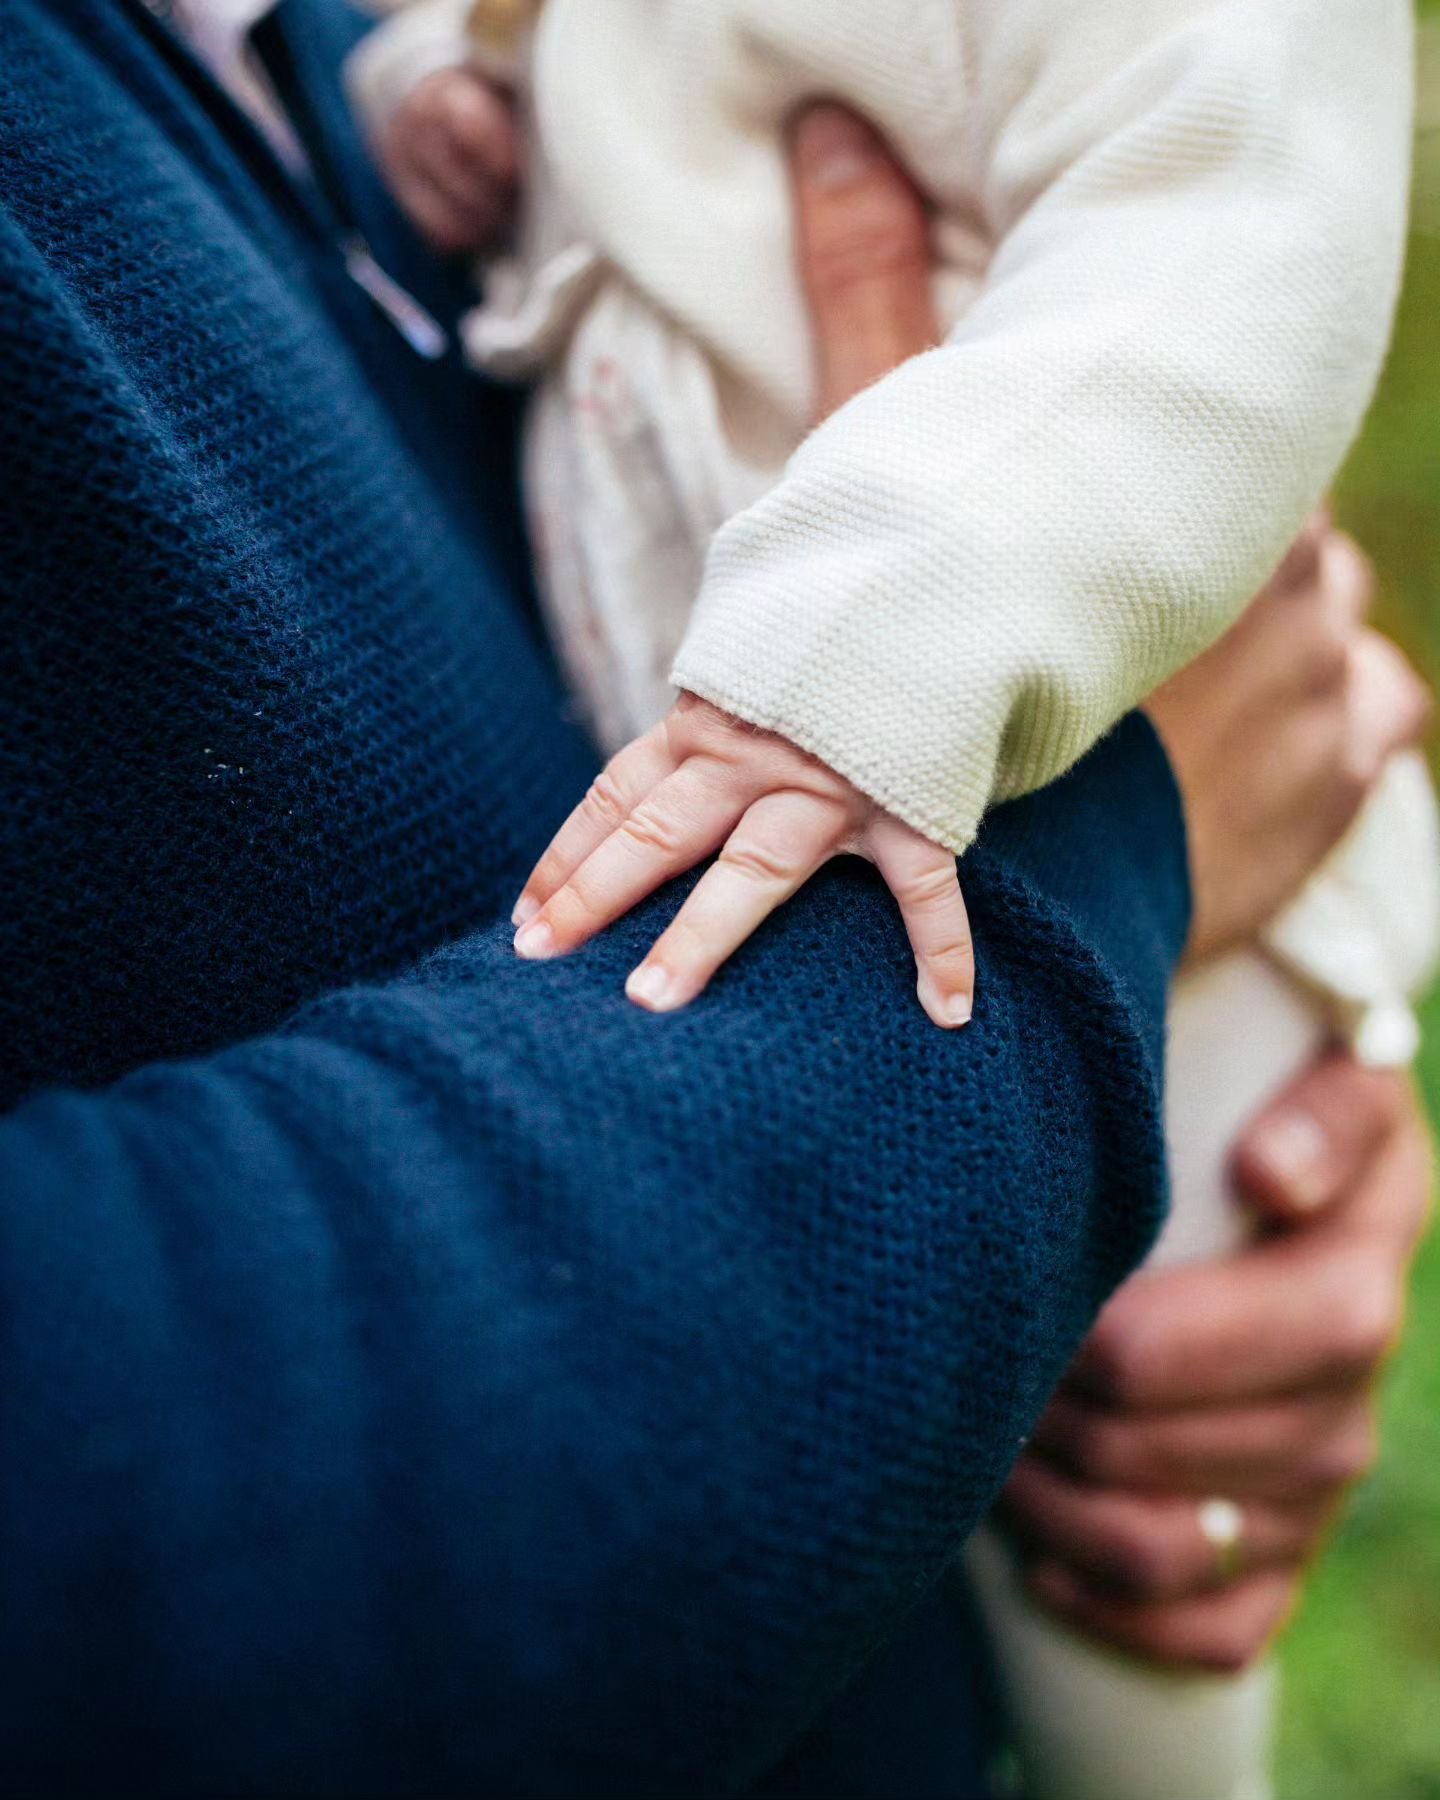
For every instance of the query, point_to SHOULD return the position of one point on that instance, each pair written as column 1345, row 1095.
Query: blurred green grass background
column 1361, row 1718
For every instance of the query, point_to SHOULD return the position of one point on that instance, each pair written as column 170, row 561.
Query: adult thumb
column 1311, row 1146
column 863, row 238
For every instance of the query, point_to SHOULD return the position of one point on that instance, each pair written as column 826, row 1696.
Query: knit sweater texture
column 1169, row 237
column 423, row 1372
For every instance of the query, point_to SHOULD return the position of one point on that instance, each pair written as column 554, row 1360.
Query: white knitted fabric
column 1171, row 232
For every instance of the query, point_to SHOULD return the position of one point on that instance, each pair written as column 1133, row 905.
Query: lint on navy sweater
column 424, row 1372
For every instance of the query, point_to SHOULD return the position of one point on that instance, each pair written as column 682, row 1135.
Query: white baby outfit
column 1169, row 235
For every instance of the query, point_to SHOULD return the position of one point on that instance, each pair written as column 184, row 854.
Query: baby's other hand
column 451, row 154
column 703, row 781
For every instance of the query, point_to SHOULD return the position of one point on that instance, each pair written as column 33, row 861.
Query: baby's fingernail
column 651, row 987
column 535, row 942
column 1293, row 1150
column 526, row 908
column 949, row 1010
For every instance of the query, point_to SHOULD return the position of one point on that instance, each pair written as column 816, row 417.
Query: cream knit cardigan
column 1171, row 233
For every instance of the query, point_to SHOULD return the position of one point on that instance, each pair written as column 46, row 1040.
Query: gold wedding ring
column 1222, row 1525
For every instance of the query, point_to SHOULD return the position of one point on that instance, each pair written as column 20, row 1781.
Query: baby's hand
column 702, row 781
column 450, row 152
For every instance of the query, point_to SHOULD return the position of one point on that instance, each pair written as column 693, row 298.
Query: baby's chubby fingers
column 476, row 140
column 451, row 152
column 923, row 878
column 677, row 825
column 703, row 781
column 778, row 845
column 626, row 780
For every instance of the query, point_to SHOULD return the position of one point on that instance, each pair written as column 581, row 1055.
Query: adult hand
column 1251, row 1377
column 1279, row 733
column 450, row 152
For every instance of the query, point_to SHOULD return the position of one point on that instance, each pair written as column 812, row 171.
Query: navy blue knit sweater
column 423, row 1372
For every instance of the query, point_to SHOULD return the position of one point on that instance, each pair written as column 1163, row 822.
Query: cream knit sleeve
column 973, row 570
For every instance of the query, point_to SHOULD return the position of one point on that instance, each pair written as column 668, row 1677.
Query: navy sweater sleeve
column 476, row 1385
column 485, row 1384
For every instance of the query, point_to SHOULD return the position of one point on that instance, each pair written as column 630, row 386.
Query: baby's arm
column 702, row 780
column 1198, row 215
column 1197, row 212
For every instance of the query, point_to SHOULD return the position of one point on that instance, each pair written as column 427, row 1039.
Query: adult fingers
column 1293, row 643
column 1148, row 1547
column 613, row 795
column 1346, row 577
column 865, row 255
column 1304, row 1446
column 1310, row 1146
column 1223, row 1633
column 674, row 827
column 779, row 843
column 923, row 878
column 1301, row 565
column 1389, row 706
column 1288, row 1315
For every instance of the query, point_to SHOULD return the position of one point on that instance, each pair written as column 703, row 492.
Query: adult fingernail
column 1293, row 1151
column 535, row 942
column 649, row 986
column 526, row 908
column 833, row 148
column 958, row 1009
